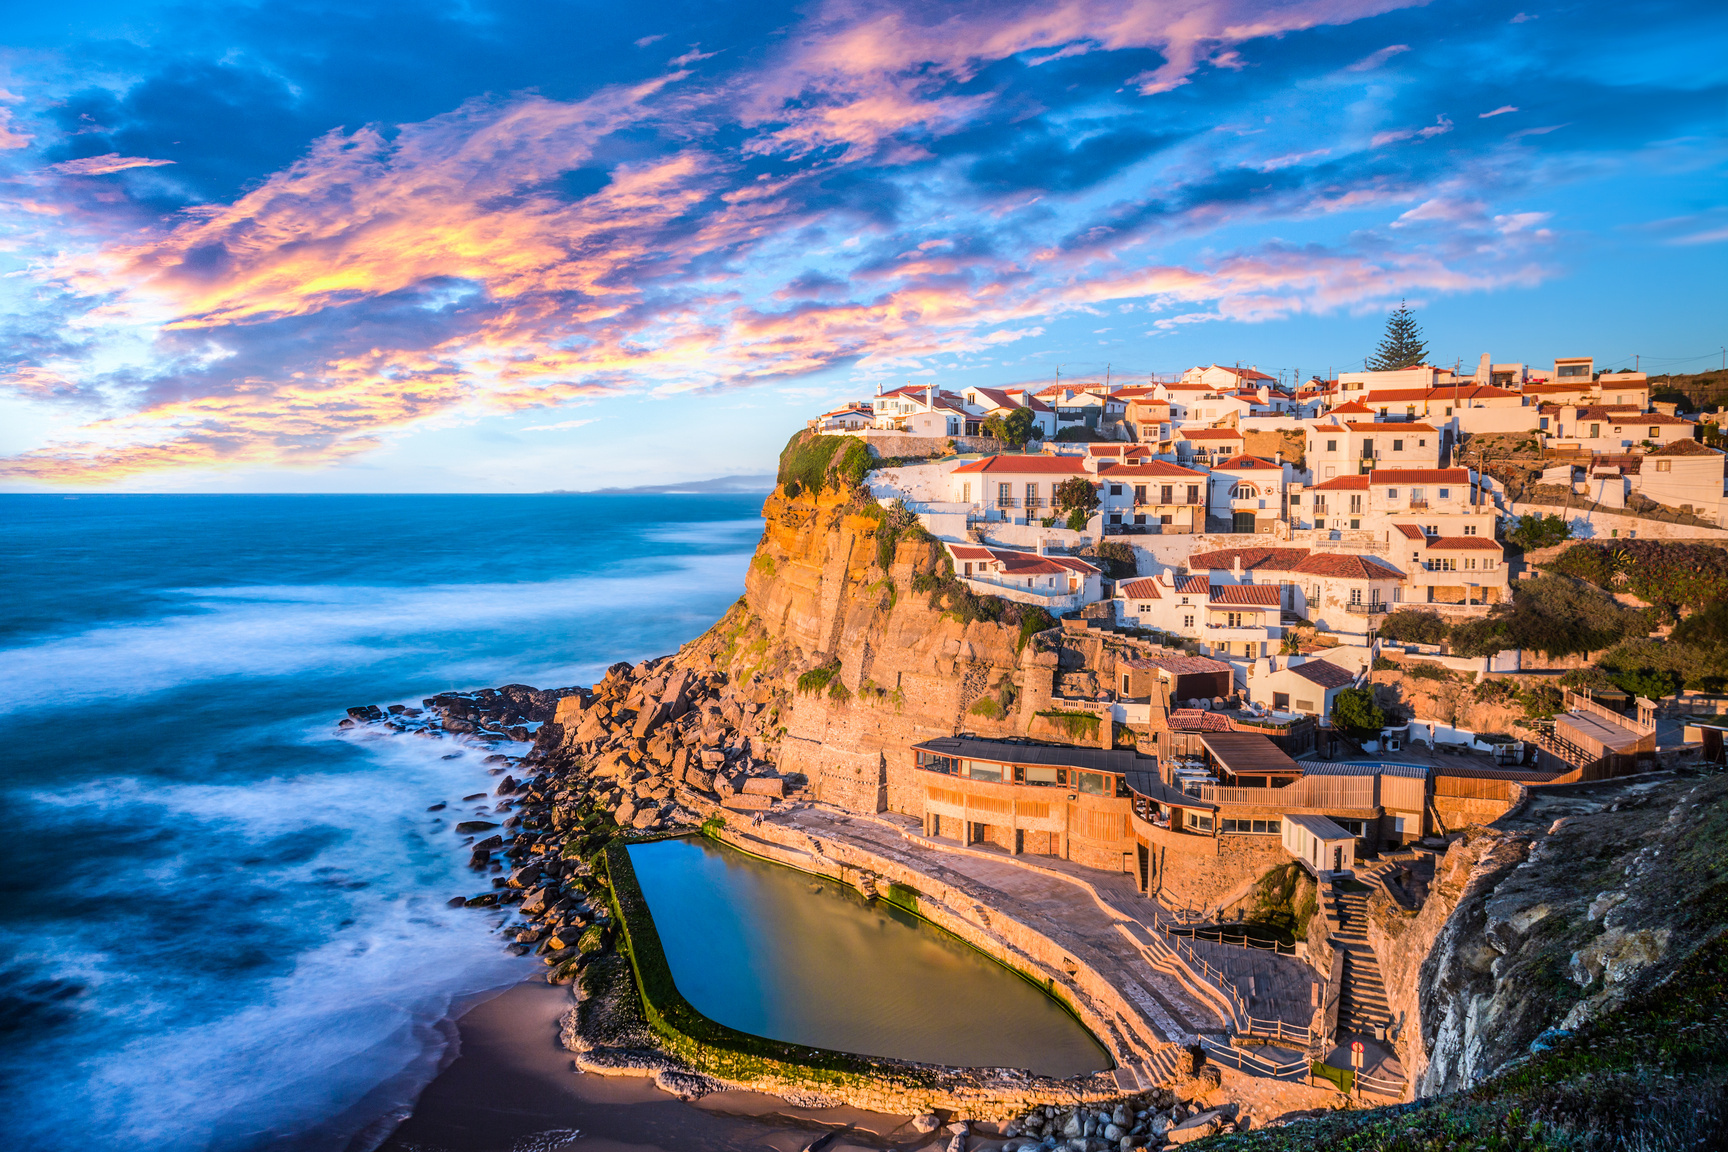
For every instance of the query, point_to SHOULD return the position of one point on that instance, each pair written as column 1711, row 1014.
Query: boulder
column 470, row 826
column 538, row 900
column 490, row 844
column 626, row 813
column 926, row 1123
column 645, row 817
column 1195, row 1128
column 366, row 712
column 765, row 786
column 524, row 876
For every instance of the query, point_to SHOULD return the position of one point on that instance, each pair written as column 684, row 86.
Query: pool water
column 778, row 953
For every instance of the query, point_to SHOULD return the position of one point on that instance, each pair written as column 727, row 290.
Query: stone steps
column 1362, row 1003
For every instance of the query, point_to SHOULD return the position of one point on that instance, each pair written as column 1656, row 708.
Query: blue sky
column 519, row 246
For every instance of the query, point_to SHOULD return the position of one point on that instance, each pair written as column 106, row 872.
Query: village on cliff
column 1236, row 715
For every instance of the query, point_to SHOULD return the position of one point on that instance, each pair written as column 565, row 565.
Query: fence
column 1251, row 1062
column 1307, row 792
column 1244, row 941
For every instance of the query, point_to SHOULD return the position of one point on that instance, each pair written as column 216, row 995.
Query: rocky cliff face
column 1580, row 898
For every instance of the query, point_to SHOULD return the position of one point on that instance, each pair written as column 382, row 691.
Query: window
column 1416, row 494
column 1469, row 529
column 1093, row 784
column 1144, row 609
column 965, row 493
column 1331, row 472
column 1281, row 701
column 1445, row 493
column 1664, row 465
column 1038, row 774
column 1572, row 370
column 1187, row 621
column 1331, row 445
column 1355, row 503
column 1140, row 518
column 1397, row 445
column 1354, row 827
column 1421, row 443
column 1258, row 827
column 1139, row 493
column 1166, row 519
column 1233, row 619
column 1164, row 494
column 1115, row 489
column 1199, row 823
column 1304, row 705
column 1655, row 432
column 1356, row 596
column 968, row 571
column 1193, row 493
column 1391, row 493
column 1005, row 494
column 1542, row 423
column 1032, row 495
column 1595, row 430
column 1295, row 500
column 931, row 762
column 1469, row 563
column 980, row 770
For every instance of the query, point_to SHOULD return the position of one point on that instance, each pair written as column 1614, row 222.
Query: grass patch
column 987, row 707
column 817, row 679
column 1075, row 725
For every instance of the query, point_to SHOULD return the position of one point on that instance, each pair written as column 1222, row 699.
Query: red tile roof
column 1043, row 465
column 1212, row 434
column 1236, row 462
column 1271, row 559
column 1147, row 470
column 1195, row 720
column 1420, row 476
column 1466, row 544
column 1341, row 484
column 1195, row 586
column 1390, row 426
column 1347, row 566
column 1398, row 395
column 1353, row 408
column 1324, row 673
column 1145, row 588
column 1248, row 595
column 1411, row 531
column 1180, row 665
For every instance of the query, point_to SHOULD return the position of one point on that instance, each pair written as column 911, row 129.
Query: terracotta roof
column 1212, row 434
column 1052, row 465
column 1145, row 588
column 1471, row 392
column 1398, row 395
column 1248, row 595
column 1685, row 448
column 1196, row 720
column 1466, row 544
column 1123, row 450
column 1271, row 559
column 1031, row 564
column 1246, row 462
column 1632, row 416
column 1420, row 476
column 1341, row 484
column 1195, row 586
column 968, row 552
column 1348, row 567
column 1148, row 470
column 1354, row 408
column 1180, row 665
column 1581, row 386
column 1411, row 531
column 1390, row 426
column 1324, row 673
column 1133, row 391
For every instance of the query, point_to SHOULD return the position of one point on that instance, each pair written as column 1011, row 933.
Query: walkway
column 1362, row 1006
column 1101, row 918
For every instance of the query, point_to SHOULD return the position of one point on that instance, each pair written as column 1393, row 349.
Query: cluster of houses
column 1253, row 506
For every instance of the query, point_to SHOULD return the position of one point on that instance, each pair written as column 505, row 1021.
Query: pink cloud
column 103, row 165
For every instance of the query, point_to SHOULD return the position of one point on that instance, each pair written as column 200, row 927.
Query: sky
column 519, row 245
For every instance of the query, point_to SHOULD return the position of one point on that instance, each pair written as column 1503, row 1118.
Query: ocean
column 224, row 922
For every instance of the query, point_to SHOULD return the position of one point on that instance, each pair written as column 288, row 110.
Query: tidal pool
column 778, row 953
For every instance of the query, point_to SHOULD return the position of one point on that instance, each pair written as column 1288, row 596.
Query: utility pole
column 1635, row 359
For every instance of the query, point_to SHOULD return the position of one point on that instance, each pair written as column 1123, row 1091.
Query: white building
column 987, row 402
column 1345, row 447
column 1056, row 583
column 1252, row 491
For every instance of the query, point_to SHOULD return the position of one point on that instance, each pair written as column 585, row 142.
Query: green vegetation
column 1663, row 572
column 763, row 563
column 1013, row 429
column 1402, row 346
column 1285, row 899
column 1355, row 711
column 1495, row 690
column 838, row 692
column 896, row 523
column 1033, row 620
column 817, row 679
column 810, row 463
column 1427, row 670
column 1076, row 726
column 1553, row 615
column 987, row 707
column 1415, row 626
column 1533, row 532
column 1076, row 521
column 1119, row 562
column 1075, row 494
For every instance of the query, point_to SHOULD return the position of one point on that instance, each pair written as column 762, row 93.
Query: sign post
column 1356, row 1067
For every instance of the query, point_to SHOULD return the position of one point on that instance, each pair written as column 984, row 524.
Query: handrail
column 1276, row 946
column 1248, row 1061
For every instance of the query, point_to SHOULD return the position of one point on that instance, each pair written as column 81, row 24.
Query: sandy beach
column 511, row 1088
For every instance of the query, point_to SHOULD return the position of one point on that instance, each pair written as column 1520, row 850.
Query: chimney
column 929, row 395
column 1043, row 546
column 878, row 387
column 1236, row 565
column 1278, row 457
column 1484, row 370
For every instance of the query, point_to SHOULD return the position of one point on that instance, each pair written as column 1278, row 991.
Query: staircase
column 1362, row 1006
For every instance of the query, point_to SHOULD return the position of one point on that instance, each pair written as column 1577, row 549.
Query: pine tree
column 1402, row 346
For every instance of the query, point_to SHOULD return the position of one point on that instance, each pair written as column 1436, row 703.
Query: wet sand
column 512, row 1089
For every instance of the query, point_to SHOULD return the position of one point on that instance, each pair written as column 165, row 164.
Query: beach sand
column 512, row 1089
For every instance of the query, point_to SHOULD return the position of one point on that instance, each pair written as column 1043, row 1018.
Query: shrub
column 1355, row 711
column 1652, row 683
column 1033, row 620
column 1386, row 664
column 1119, row 560
column 1015, row 428
column 1427, row 670
column 1665, row 572
column 1076, row 521
column 1415, row 626
column 1075, row 725
column 987, row 707
column 1532, row 532
column 1540, row 702
column 810, row 463
column 817, row 678
column 1553, row 615
column 1496, row 690
column 838, row 692
column 1075, row 494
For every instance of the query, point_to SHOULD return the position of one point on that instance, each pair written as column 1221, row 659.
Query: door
column 1338, row 859
column 1019, row 841
column 1242, row 522
column 1144, row 860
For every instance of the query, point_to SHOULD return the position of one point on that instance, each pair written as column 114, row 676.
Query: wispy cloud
column 103, row 165
column 1374, row 59
column 560, row 426
column 1500, row 111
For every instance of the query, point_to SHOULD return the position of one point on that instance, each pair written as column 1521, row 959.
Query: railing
column 1415, row 504
column 1277, row 947
column 1373, row 609
column 1007, row 502
column 1036, row 502
column 1239, row 1006
column 1249, row 1062
column 1308, row 792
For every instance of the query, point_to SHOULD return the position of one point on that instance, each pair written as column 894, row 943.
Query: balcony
column 1418, row 505
column 1375, row 609
column 1007, row 502
column 1035, row 502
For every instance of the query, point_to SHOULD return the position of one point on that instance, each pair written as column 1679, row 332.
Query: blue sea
column 224, row 922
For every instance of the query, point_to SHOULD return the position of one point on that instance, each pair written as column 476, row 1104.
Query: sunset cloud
column 865, row 186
